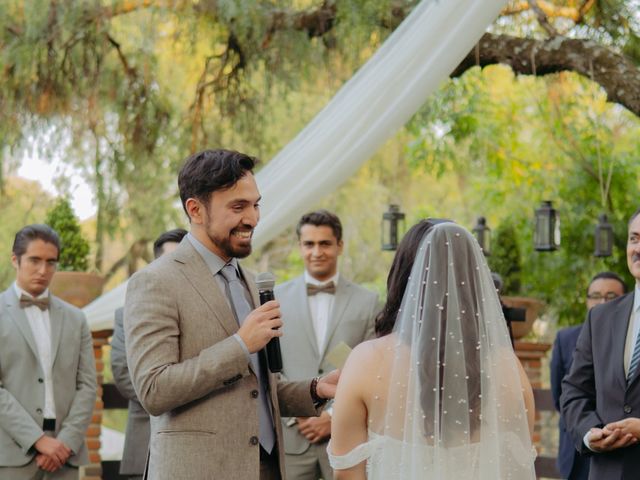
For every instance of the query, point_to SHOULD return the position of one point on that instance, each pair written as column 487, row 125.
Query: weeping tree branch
column 618, row 76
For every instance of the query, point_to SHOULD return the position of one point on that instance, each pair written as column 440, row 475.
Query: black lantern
column 392, row 225
column 603, row 237
column 483, row 235
column 547, row 233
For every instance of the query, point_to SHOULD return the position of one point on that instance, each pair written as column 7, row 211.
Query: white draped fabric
column 370, row 107
column 367, row 110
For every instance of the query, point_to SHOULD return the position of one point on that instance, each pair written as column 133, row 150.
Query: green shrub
column 74, row 249
column 505, row 258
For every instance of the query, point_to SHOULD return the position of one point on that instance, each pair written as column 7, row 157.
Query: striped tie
column 635, row 358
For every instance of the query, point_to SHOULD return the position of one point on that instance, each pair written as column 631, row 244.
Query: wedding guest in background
column 321, row 309
column 600, row 397
column 136, row 440
column 47, row 369
column 604, row 286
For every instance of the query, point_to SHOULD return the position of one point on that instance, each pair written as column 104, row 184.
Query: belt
column 49, row 424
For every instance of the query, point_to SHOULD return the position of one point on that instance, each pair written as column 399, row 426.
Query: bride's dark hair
column 399, row 274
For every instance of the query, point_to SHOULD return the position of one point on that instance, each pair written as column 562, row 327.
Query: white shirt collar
column 636, row 298
column 20, row 291
column 313, row 281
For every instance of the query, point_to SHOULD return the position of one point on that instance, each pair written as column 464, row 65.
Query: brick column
column 93, row 471
column 531, row 355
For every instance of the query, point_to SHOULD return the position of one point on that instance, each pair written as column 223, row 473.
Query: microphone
column 265, row 282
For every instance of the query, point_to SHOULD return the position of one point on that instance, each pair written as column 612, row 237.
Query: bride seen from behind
column 440, row 393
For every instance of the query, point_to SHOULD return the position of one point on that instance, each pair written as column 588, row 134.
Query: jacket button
column 627, row 409
column 40, row 380
column 254, row 393
column 320, row 371
column 39, row 410
column 253, row 440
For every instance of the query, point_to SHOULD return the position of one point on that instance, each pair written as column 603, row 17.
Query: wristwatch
column 313, row 390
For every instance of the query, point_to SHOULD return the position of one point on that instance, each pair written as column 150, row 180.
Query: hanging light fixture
column 603, row 237
column 547, row 232
column 392, row 225
column 483, row 235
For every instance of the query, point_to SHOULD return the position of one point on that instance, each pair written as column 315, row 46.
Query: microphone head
column 265, row 281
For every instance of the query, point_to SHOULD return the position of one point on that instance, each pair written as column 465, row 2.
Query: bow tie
column 41, row 303
column 326, row 288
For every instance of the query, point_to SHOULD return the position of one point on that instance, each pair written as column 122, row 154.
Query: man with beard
column 195, row 339
column 601, row 395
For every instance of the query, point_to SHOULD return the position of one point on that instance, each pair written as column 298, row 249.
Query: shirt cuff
column 585, row 440
column 242, row 344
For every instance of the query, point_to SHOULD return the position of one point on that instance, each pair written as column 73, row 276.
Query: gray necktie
column 242, row 309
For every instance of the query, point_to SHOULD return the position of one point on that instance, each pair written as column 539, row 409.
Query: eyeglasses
column 36, row 263
column 598, row 296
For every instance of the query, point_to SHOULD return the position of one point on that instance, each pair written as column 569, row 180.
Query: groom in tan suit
column 195, row 339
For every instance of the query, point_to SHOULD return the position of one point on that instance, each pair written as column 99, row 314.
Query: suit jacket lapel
column 56, row 319
column 199, row 276
column 301, row 305
column 620, row 324
column 19, row 318
column 625, row 310
column 340, row 304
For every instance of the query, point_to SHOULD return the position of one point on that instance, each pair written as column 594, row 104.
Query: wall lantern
column 547, row 233
column 603, row 237
column 392, row 225
column 483, row 235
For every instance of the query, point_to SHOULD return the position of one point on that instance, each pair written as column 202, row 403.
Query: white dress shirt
column 40, row 324
column 632, row 330
column 320, row 307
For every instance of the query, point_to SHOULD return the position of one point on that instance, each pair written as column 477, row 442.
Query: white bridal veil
column 454, row 408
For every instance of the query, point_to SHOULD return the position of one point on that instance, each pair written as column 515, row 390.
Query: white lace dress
column 389, row 458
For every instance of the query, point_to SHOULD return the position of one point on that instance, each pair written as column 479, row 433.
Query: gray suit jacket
column 595, row 392
column 136, row 440
column 193, row 377
column 352, row 321
column 22, row 387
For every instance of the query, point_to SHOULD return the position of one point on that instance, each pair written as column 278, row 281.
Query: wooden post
column 531, row 355
column 93, row 471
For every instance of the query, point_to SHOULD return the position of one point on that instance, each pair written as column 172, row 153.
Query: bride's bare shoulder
column 369, row 351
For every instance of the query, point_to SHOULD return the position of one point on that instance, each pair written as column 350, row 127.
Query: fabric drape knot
column 27, row 301
column 326, row 288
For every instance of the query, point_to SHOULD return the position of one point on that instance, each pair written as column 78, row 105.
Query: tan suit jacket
column 193, row 377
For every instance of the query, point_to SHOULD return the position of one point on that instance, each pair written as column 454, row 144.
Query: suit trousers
column 269, row 465
column 32, row 472
column 310, row 465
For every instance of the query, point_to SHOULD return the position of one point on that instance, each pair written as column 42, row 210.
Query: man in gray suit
column 601, row 394
column 136, row 440
column 320, row 309
column 195, row 339
column 47, row 369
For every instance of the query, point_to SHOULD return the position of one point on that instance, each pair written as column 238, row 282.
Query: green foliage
column 505, row 257
column 74, row 248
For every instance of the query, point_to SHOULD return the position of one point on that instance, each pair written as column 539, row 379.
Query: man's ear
column 195, row 210
column 15, row 261
column 340, row 245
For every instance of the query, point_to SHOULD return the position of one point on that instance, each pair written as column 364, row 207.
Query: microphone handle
column 274, row 355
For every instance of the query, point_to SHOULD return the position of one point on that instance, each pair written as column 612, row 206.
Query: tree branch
column 618, row 76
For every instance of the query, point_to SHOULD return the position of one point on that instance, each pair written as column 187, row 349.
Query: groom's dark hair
column 205, row 172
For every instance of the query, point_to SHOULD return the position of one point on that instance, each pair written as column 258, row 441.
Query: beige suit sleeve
column 162, row 379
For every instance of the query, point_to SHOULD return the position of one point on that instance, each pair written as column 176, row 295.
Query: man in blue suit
column 603, row 287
